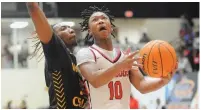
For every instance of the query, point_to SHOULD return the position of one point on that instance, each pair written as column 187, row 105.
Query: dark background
column 140, row 10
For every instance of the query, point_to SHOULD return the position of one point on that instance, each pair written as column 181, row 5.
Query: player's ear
column 112, row 30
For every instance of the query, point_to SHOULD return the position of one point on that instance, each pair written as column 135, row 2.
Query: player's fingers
column 169, row 75
column 175, row 69
column 137, row 59
column 173, row 72
column 176, row 65
column 133, row 54
column 127, row 51
column 138, row 65
column 136, row 62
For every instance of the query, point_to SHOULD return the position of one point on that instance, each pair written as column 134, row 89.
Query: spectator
column 188, row 39
column 196, row 52
column 129, row 44
column 186, row 23
column 7, row 57
column 158, row 103
column 183, row 64
column 9, row 105
column 164, row 107
column 23, row 54
column 196, row 61
column 144, row 107
column 23, row 104
column 144, row 38
column 196, row 43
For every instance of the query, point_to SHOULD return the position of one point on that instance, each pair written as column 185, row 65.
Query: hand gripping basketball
column 167, row 79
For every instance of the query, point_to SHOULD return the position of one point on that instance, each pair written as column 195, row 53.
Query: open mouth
column 71, row 38
column 102, row 28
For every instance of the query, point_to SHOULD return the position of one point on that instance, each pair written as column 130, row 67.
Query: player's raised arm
column 41, row 24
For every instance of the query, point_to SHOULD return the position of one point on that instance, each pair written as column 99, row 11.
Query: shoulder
column 84, row 55
column 84, row 50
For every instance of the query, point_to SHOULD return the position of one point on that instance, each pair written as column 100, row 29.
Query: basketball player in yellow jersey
column 108, row 71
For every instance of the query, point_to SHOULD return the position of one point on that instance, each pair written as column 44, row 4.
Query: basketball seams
column 171, row 55
column 147, row 44
column 161, row 48
column 161, row 57
column 148, row 56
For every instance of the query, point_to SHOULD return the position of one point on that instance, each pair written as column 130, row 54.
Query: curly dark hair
column 38, row 52
column 37, row 47
column 86, row 15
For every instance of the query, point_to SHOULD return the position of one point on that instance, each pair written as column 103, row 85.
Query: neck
column 105, row 44
column 70, row 48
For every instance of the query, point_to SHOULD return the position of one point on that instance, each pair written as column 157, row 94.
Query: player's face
column 99, row 25
column 67, row 34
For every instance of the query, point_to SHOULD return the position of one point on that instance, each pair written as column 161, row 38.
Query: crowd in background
column 187, row 48
column 8, row 51
column 189, row 51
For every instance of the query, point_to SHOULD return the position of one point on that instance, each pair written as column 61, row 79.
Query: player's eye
column 95, row 19
column 63, row 28
column 68, row 26
column 104, row 18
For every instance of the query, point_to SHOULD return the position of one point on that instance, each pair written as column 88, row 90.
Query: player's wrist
column 32, row 4
column 118, row 66
column 164, row 81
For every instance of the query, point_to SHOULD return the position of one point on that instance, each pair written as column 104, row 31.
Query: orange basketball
column 158, row 58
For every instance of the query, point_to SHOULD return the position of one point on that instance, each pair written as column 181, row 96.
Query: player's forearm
column 102, row 77
column 149, row 85
column 32, row 6
column 41, row 24
column 144, row 85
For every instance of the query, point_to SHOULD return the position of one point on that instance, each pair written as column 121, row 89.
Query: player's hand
column 167, row 79
column 136, row 63
column 128, row 61
column 31, row 4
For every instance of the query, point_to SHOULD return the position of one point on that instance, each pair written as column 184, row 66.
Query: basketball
column 158, row 58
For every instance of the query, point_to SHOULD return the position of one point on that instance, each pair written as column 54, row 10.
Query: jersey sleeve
column 84, row 55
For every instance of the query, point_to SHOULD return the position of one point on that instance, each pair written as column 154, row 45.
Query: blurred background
column 22, row 77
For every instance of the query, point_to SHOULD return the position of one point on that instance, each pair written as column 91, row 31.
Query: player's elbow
column 96, row 82
column 142, row 91
column 95, row 86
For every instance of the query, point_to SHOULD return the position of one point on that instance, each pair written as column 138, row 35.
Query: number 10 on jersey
column 115, row 90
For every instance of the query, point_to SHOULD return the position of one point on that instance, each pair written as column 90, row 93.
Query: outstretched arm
column 41, row 24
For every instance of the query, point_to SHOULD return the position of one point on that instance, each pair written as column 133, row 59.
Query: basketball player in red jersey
column 107, row 69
